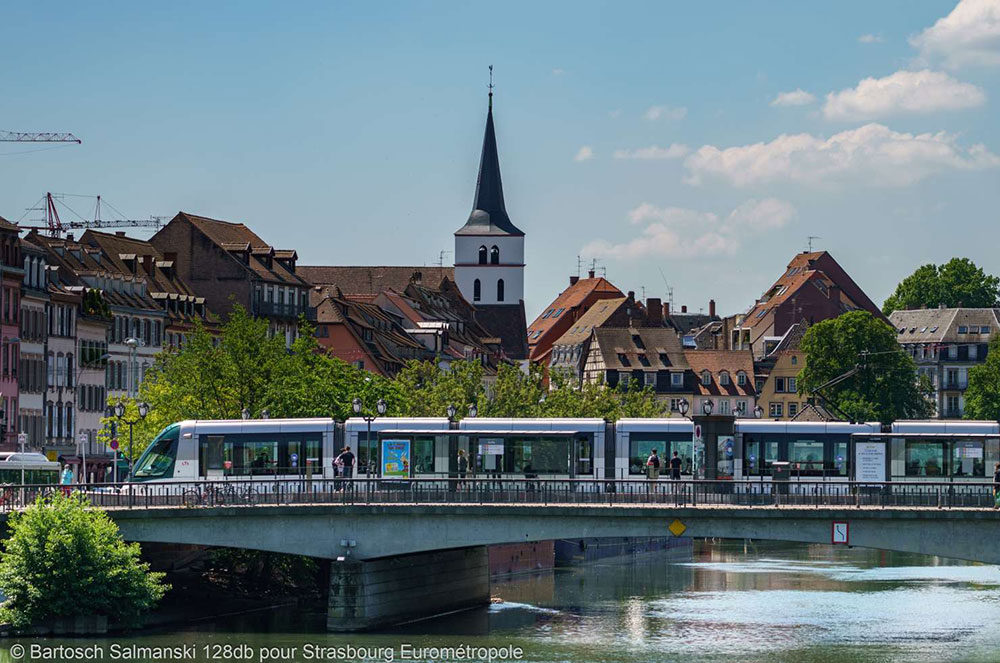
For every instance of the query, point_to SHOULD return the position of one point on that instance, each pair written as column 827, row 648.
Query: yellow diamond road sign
column 677, row 527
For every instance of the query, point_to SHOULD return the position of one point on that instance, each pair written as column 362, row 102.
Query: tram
column 742, row 450
column 31, row 468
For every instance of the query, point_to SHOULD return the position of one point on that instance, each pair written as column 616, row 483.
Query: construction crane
column 26, row 137
column 55, row 226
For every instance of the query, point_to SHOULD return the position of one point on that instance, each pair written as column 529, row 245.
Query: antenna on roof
column 491, row 87
column 441, row 257
column 579, row 266
column 670, row 288
column 810, row 241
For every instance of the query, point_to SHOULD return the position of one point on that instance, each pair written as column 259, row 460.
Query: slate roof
column 659, row 348
column 489, row 213
column 364, row 279
column 941, row 325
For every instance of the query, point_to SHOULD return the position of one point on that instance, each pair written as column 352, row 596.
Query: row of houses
column 593, row 332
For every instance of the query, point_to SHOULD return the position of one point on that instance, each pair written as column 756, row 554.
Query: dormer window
column 741, row 378
column 724, row 379
column 706, row 378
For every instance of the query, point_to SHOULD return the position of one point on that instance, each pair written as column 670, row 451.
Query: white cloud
column 872, row 155
column 585, row 153
column 665, row 113
column 909, row 92
column 798, row 97
column 558, row 71
column 675, row 232
column 675, row 151
column 969, row 35
column 870, row 39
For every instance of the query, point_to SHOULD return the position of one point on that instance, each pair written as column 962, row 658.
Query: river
column 760, row 602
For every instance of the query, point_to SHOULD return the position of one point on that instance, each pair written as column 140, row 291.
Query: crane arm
column 45, row 137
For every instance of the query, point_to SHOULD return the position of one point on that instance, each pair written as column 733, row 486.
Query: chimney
column 666, row 309
column 684, row 309
column 573, row 280
column 835, row 294
column 120, row 233
column 590, row 274
column 711, row 308
column 147, row 264
column 69, row 237
column 654, row 312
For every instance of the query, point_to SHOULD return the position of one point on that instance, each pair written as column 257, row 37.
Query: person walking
column 675, row 467
column 653, row 466
column 67, row 480
column 463, row 468
column 346, row 462
column 996, row 486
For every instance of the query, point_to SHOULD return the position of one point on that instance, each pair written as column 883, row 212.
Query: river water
column 759, row 602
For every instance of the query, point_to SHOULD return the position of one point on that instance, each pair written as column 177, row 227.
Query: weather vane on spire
column 491, row 86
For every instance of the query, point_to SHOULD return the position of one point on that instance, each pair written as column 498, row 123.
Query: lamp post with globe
column 143, row 410
column 359, row 411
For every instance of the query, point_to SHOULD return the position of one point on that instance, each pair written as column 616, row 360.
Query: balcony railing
column 292, row 311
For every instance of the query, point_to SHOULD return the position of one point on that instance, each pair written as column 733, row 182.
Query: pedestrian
column 996, row 486
column 675, row 467
column 346, row 459
column 67, row 480
column 653, row 465
column 463, row 467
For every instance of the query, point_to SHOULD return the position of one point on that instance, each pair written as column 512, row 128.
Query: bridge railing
column 501, row 490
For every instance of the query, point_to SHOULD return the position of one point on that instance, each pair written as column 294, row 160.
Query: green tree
column 886, row 386
column 423, row 389
column 982, row 397
column 64, row 558
column 958, row 282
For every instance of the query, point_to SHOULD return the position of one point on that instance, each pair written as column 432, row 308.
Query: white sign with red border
column 840, row 534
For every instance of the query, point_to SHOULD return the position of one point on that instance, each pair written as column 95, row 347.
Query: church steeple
column 489, row 214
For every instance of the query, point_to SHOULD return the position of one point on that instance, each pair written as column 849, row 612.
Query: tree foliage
column 982, row 397
column 886, row 386
column 958, row 282
column 64, row 558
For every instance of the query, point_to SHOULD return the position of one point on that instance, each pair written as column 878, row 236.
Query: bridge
column 403, row 549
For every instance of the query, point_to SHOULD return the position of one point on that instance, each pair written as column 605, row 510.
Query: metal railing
column 513, row 491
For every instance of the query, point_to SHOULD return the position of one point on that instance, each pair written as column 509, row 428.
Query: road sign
column 840, row 533
column 677, row 527
column 22, row 439
column 114, row 443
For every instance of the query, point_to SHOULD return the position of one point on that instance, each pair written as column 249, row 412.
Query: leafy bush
column 64, row 558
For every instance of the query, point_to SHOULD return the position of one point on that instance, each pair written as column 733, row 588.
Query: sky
column 694, row 146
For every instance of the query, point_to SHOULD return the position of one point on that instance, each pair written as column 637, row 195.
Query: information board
column 395, row 458
column 491, row 446
column 869, row 461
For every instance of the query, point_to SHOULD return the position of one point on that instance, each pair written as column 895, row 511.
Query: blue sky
column 650, row 136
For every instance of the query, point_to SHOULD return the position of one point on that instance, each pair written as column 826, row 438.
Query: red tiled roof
column 717, row 361
column 568, row 300
column 365, row 279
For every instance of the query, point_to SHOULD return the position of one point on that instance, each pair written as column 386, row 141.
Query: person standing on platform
column 675, row 467
column 653, row 466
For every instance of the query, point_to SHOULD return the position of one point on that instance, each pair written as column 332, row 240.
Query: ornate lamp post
column 120, row 415
column 358, row 407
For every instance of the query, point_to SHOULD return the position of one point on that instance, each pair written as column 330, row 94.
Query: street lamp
column 473, row 411
column 451, row 412
column 707, row 407
column 143, row 409
column 358, row 408
column 245, row 414
column 683, row 406
column 758, row 412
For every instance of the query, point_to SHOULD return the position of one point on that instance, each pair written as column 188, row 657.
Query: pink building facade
column 11, row 276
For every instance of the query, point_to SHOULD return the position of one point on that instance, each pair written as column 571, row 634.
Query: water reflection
column 730, row 602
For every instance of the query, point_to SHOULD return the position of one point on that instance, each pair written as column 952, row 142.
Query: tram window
column 423, row 455
column 158, row 459
column 584, row 456
column 806, row 457
column 541, row 455
column 241, row 455
column 639, row 452
column 926, row 459
column 212, row 452
column 838, row 465
column 967, row 459
column 367, row 450
column 758, row 456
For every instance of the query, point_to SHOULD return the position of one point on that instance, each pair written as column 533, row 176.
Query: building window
column 650, row 378
column 793, row 409
column 973, row 351
column 741, row 379
column 494, row 255
column 500, row 290
column 777, row 410
column 482, row 255
column 724, row 406
column 477, row 290
column 676, row 379
column 795, row 360
column 779, row 385
column 724, row 379
column 791, row 385
column 706, row 378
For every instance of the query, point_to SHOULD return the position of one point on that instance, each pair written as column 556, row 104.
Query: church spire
column 489, row 214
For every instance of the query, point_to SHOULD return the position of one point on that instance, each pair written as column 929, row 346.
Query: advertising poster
column 395, row 459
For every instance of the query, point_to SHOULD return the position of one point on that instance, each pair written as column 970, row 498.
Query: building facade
column 11, row 278
column 32, row 379
column 945, row 343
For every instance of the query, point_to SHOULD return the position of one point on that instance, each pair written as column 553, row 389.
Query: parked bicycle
column 216, row 495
